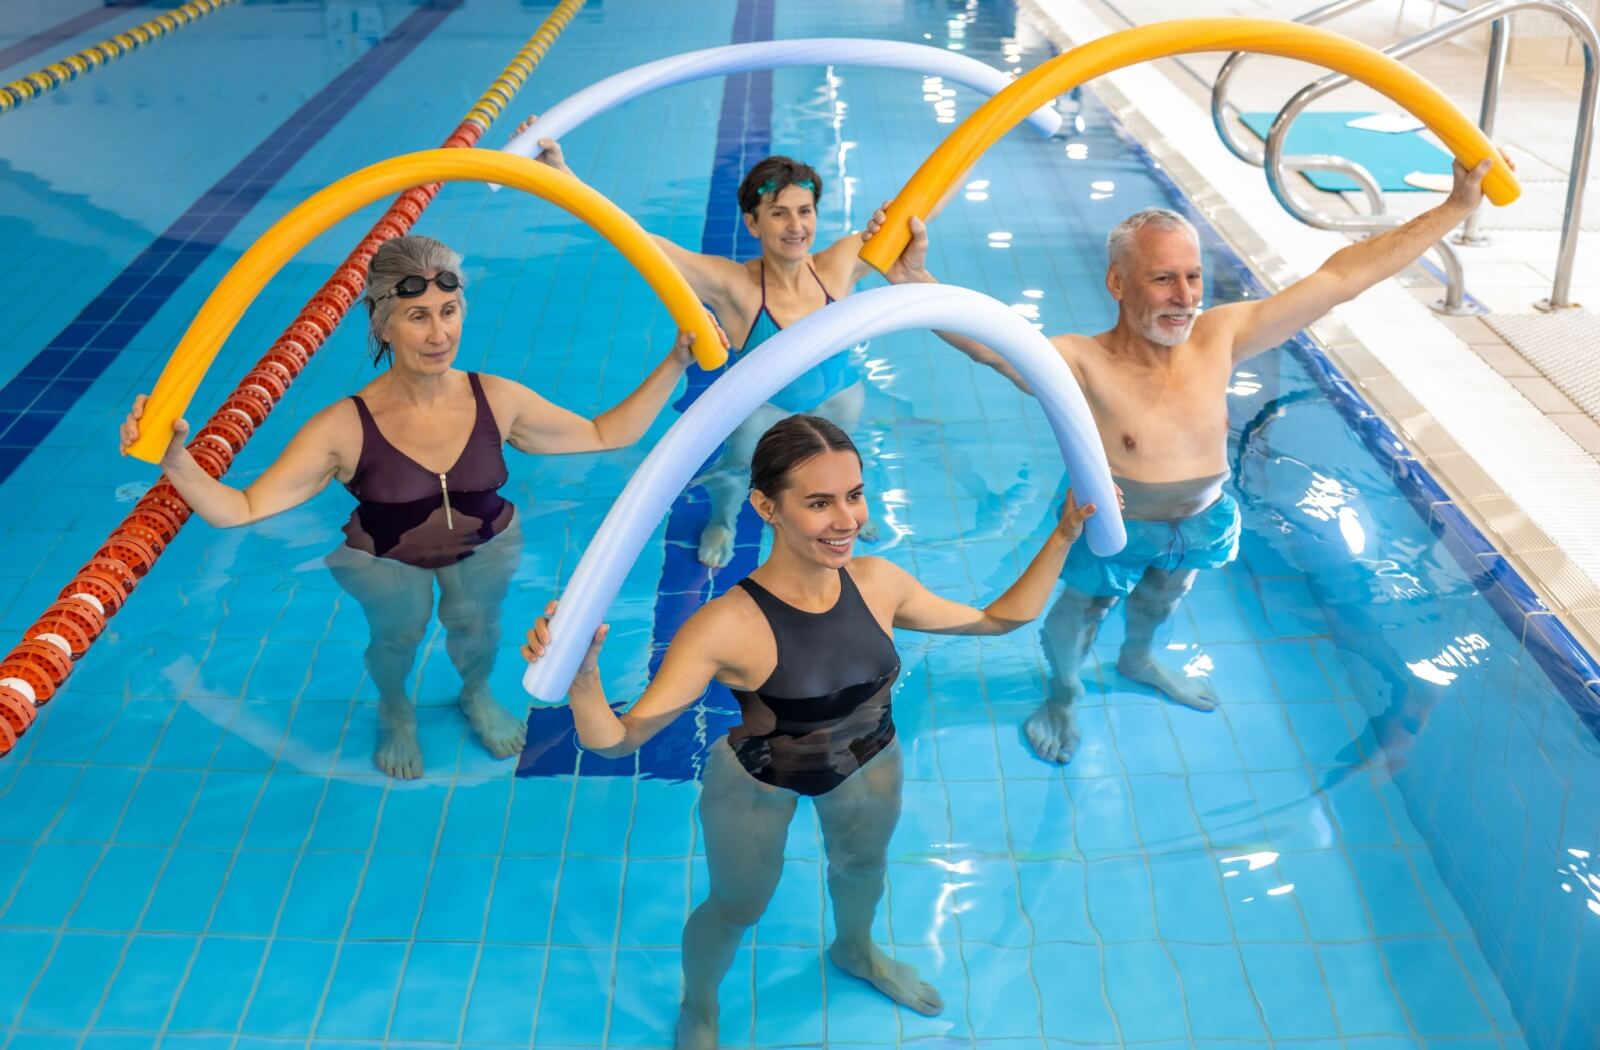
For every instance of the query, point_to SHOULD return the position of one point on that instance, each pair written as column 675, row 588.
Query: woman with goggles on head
column 758, row 298
column 420, row 447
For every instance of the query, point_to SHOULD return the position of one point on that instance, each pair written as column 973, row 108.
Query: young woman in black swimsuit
column 420, row 447
column 804, row 644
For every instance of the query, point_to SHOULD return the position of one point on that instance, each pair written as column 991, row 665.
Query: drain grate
column 1564, row 346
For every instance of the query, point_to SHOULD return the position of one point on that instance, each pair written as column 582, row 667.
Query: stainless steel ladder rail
column 1376, row 217
column 1494, row 12
column 1221, row 108
column 1252, row 155
column 1488, row 110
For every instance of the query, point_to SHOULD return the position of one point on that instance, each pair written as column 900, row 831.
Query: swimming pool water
column 1383, row 838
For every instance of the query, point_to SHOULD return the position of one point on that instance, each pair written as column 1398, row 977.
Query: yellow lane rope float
column 72, row 67
column 516, row 73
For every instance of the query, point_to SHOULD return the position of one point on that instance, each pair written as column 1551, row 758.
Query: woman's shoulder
column 339, row 416
column 872, row 567
column 836, row 264
column 874, row 575
column 495, row 387
column 722, row 620
column 727, row 608
column 499, row 388
column 745, row 273
column 509, row 401
column 334, row 430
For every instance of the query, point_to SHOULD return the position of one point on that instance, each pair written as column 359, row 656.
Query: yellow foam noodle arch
column 240, row 286
column 1182, row 36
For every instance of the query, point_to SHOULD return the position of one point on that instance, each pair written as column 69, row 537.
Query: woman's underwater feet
column 503, row 734
column 399, row 754
column 894, row 979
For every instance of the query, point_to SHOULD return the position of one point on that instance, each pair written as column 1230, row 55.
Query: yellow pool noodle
column 1182, row 36
column 240, row 286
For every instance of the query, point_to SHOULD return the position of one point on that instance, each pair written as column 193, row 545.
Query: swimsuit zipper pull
column 444, row 489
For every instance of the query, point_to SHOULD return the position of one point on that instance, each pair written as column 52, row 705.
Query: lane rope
column 35, row 670
column 43, row 81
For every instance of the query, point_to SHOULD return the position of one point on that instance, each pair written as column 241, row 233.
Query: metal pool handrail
column 1455, row 277
column 1493, row 12
column 1221, row 108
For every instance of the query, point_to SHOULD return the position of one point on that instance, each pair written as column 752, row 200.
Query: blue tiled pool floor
column 197, row 854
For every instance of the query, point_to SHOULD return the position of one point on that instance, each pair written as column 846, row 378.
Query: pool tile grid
column 1552, row 650
column 341, row 141
column 51, row 382
column 1383, row 445
column 941, row 751
column 87, row 230
column 1543, row 635
column 20, row 604
column 671, row 973
column 247, row 924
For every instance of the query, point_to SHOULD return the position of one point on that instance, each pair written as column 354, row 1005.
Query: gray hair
column 1120, row 239
column 397, row 258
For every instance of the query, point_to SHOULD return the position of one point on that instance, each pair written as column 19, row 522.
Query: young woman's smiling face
column 822, row 509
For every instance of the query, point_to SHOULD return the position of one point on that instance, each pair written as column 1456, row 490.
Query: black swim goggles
column 414, row 284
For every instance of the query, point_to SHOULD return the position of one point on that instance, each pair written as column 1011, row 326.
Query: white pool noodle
column 578, row 108
column 776, row 363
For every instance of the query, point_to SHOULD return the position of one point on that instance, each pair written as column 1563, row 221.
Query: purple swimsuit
column 413, row 515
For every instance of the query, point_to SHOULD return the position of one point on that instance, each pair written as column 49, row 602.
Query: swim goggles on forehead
column 414, row 284
column 771, row 186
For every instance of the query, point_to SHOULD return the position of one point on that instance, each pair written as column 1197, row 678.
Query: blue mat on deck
column 1390, row 157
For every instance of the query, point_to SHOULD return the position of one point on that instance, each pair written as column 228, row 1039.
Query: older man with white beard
column 1157, row 386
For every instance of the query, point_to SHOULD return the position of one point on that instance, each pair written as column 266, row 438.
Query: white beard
column 1154, row 332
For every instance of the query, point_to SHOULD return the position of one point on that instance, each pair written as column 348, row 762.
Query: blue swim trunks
column 1208, row 540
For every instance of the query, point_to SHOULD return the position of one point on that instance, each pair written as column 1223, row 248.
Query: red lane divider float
column 32, row 673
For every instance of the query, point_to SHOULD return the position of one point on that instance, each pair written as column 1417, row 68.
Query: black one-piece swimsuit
column 825, row 710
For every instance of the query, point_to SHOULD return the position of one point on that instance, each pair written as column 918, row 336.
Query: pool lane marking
column 77, row 25
column 40, row 82
column 744, row 136
column 36, row 399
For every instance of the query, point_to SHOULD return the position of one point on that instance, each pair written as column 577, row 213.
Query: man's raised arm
column 1263, row 324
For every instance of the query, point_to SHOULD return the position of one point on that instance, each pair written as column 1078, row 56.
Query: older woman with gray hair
column 420, row 449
